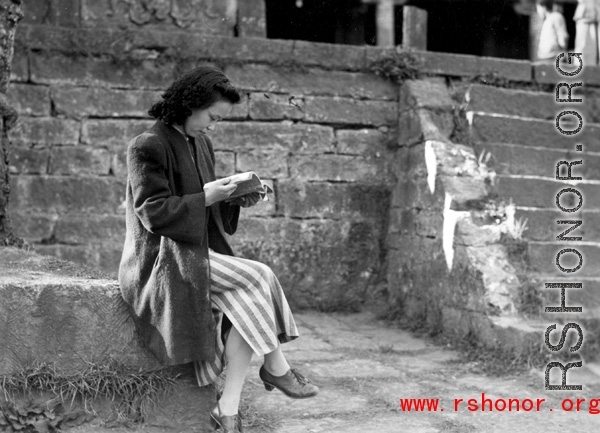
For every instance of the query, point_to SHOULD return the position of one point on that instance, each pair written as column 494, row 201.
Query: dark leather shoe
column 229, row 424
column 292, row 384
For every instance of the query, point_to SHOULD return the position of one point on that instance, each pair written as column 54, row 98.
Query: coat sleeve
column 230, row 214
column 181, row 218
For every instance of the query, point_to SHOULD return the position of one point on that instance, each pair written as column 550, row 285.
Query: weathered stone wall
column 438, row 247
column 313, row 122
column 213, row 17
column 356, row 201
column 479, row 154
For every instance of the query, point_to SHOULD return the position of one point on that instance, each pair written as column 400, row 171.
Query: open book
column 247, row 183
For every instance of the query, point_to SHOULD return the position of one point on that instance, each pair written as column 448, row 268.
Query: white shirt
column 553, row 37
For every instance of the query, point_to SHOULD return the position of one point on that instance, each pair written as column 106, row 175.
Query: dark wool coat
column 164, row 272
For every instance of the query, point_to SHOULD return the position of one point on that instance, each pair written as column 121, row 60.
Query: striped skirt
column 250, row 295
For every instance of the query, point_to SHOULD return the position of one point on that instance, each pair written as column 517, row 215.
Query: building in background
column 494, row 28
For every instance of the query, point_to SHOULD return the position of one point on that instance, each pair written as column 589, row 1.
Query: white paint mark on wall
column 448, row 228
column 431, row 165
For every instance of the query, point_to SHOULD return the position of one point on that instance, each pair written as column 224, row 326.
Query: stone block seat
column 63, row 314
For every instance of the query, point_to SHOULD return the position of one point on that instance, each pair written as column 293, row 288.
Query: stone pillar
column 385, row 23
column 535, row 27
column 414, row 28
column 251, row 18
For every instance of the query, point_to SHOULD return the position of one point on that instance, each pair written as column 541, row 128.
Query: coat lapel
column 185, row 161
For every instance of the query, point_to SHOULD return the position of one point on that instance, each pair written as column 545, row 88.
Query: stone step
column 515, row 333
column 532, row 132
column 542, row 224
column 587, row 297
column 547, row 73
column 522, row 103
column 512, row 334
column 517, row 159
column 588, row 319
column 540, row 192
column 542, row 259
column 528, row 103
column 524, row 337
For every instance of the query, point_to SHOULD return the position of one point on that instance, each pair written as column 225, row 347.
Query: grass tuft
column 134, row 392
column 397, row 66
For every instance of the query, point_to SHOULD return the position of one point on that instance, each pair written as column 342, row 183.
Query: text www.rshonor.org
column 486, row 404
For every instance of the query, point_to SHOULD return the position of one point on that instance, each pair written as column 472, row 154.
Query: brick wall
column 314, row 123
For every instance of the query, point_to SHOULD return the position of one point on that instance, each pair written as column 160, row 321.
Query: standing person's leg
column 586, row 41
column 581, row 30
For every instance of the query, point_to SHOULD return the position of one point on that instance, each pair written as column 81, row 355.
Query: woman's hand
column 247, row 200
column 218, row 190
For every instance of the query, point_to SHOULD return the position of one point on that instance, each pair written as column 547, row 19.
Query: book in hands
column 248, row 183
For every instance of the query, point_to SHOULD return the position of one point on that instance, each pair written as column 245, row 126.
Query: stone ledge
column 331, row 56
column 462, row 65
column 146, row 44
column 546, row 73
column 58, row 312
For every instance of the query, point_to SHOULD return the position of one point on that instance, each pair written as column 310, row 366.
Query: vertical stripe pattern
column 249, row 293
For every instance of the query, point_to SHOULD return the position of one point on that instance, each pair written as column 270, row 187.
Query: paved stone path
column 364, row 367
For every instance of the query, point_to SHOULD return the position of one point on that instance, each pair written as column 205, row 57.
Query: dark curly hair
column 197, row 89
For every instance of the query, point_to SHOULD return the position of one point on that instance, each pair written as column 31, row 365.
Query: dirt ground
column 364, row 366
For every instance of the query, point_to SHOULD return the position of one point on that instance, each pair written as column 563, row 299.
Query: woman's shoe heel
column 225, row 423
column 292, row 383
column 214, row 424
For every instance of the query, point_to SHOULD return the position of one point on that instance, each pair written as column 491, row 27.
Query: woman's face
column 202, row 121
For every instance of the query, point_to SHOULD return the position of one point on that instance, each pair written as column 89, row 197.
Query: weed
column 517, row 228
column 397, row 66
column 493, row 79
column 253, row 418
column 529, row 298
column 386, row 348
column 35, row 418
column 494, row 360
column 134, row 391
